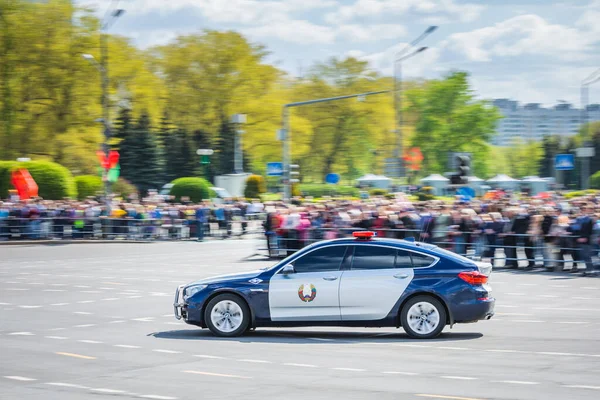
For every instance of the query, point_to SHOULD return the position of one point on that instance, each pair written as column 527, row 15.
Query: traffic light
column 294, row 173
column 463, row 169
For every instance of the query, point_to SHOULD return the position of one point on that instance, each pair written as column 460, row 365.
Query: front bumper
column 179, row 306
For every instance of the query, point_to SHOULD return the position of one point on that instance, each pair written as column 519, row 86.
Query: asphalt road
column 96, row 322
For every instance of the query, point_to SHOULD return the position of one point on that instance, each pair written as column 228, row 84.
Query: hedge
column 255, row 186
column 595, row 180
column 54, row 181
column 123, row 187
column 88, row 185
column 321, row 189
column 378, row 192
column 197, row 189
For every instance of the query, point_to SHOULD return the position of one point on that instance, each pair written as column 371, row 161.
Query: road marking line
column 211, row 357
column 156, row 397
column 5, row 304
column 16, row 289
column 453, row 348
column 134, row 297
column 421, row 346
column 144, row 319
column 20, row 378
column 22, row 334
column 76, row 356
column 215, row 374
column 462, row 378
column 90, row 341
column 117, row 322
column 552, row 353
column 349, row 369
column 111, row 299
column 102, row 390
column 82, row 313
column 582, row 387
column 173, row 323
column 585, row 298
column 30, row 306
column 590, row 287
column 60, row 304
column 57, row 329
column 514, row 314
column 564, row 309
column 86, row 301
column 127, row 346
column 518, row 382
column 400, row 373
column 505, row 351
column 571, row 322
column 54, row 290
column 300, row 365
column 114, row 283
column 531, row 321
column 256, row 361
column 166, row 351
column 441, row 396
column 84, row 326
column 56, row 337
column 70, row 385
column 549, row 296
column 516, row 294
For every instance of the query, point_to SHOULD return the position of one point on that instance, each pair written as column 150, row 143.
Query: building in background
column 533, row 122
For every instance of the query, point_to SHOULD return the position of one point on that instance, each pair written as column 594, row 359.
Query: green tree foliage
column 595, row 181
column 140, row 157
column 449, row 119
column 197, row 189
column 180, row 155
column 551, row 146
column 54, row 181
column 255, row 186
column 88, row 185
column 6, row 168
column 123, row 188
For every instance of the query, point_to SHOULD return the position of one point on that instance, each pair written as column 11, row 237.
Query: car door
column 377, row 278
column 311, row 293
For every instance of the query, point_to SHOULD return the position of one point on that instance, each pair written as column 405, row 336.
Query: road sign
column 585, row 152
column 564, row 162
column 332, row 178
column 275, row 169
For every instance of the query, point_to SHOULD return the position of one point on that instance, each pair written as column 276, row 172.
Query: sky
column 533, row 51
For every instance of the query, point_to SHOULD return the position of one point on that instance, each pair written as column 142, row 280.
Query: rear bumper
column 474, row 311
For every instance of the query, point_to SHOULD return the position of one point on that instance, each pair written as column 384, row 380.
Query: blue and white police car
column 360, row 282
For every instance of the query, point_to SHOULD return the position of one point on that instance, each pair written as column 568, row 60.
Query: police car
column 361, row 282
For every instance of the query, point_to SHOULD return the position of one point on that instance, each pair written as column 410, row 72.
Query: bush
column 123, row 187
column 377, row 192
column 321, row 189
column 88, row 185
column 197, row 189
column 255, row 186
column 5, row 171
column 595, row 180
column 579, row 193
column 425, row 196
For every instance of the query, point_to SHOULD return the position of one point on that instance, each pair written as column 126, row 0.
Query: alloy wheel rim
column 423, row 317
column 227, row 316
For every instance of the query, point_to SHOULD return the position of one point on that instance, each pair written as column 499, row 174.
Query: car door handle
column 401, row 276
column 330, row 278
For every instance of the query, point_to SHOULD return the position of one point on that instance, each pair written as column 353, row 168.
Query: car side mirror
column 288, row 269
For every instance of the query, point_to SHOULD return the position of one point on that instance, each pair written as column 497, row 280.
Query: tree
column 449, row 119
column 140, row 157
column 180, row 155
column 551, row 146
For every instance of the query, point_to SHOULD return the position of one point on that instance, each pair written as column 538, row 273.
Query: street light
column 109, row 19
column 398, row 58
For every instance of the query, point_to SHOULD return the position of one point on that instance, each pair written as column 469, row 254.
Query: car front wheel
column 423, row 317
column 227, row 315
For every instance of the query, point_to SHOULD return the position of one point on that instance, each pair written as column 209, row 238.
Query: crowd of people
column 555, row 232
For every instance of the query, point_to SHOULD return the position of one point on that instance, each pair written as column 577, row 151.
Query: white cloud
column 367, row 33
column 521, row 35
column 422, row 64
column 435, row 10
column 294, row 31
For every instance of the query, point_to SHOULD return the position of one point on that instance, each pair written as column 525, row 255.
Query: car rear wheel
column 423, row 317
column 227, row 315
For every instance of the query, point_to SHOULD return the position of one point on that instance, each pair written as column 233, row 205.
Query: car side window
column 321, row 260
column 403, row 259
column 373, row 257
column 421, row 260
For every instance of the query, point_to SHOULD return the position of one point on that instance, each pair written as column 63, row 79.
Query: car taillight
column 473, row 277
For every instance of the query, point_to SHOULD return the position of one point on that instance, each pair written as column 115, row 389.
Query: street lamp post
column 398, row 58
column 109, row 19
column 284, row 134
column 238, row 120
column 205, row 160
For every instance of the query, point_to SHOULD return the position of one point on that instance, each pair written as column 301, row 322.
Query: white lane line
column 460, row 378
column 209, row 357
column 90, row 341
column 453, row 348
column 349, row 369
column 255, row 361
column 5, row 304
column 82, row 313
column 134, row 297
column 516, row 294
column 56, row 329
column 16, row 289
column 86, row 301
column 166, row 351
column 56, row 337
column 22, row 334
column 529, row 321
column 90, row 291
column 582, row 387
column 127, row 346
column 215, row 374
column 548, row 296
column 84, row 326
column 418, row 346
column 20, row 378
column 300, row 365
column 590, row 287
column 400, row 373
column 508, row 314
column 144, row 319
column 585, row 298
column 59, row 304
column 441, row 396
column 117, row 322
column 109, row 391
column 564, row 309
column 571, row 322
column 505, row 351
column 69, row 385
column 54, row 290
column 518, row 382
column 30, row 307
column 553, row 353
column 111, row 299
column 558, row 286
column 156, row 397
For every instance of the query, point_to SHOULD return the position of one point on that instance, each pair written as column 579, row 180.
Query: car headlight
column 192, row 290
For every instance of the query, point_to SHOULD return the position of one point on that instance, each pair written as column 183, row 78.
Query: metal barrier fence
column 550, row 251
column 103, row 228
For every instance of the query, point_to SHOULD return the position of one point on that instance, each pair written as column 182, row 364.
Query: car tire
column 227, row 315
column 423, row 317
